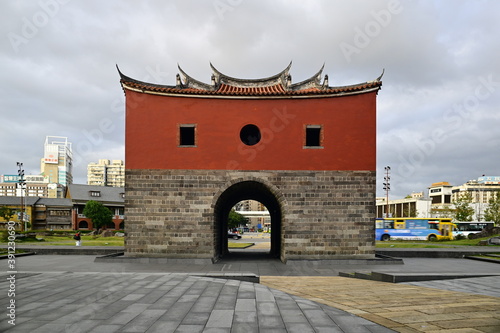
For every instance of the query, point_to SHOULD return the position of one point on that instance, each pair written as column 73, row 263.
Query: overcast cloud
column 438, row 110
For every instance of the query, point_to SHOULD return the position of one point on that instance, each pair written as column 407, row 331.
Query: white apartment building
column 256, row 213
column 106, row 173
column 482, row 190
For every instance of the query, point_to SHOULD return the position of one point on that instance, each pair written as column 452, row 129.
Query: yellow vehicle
column 414, row 228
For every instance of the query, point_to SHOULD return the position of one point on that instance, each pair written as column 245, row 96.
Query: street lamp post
column 22, row 182
column 387, row 188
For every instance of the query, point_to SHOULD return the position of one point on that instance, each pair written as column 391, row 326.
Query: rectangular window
column 95, row 193
column 187, row 135
column 313, row 136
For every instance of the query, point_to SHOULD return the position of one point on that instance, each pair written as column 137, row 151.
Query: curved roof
column 224, row 86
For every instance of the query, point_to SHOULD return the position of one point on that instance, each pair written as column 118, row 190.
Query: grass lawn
column 118, row 241
column 68, row 240
column 488, row 257
column 238, row 245
column 427, row 244
column 99, row 241
column 4, row 252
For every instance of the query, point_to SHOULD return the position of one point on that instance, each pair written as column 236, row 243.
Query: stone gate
column 305, row 150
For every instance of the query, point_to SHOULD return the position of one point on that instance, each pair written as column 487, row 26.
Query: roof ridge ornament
column 312, row 82
column 380, row 77
column 325, row 82
column 280, row 78
column 277, row 86
column 190, row 82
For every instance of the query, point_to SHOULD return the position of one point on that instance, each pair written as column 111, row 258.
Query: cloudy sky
column 438, row 110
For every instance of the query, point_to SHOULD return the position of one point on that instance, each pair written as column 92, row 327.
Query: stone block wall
column 325, row 214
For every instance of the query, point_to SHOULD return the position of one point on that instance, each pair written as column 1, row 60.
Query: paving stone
column 245, row 305
column 106, row 329
column 331, row 329
column 204, row 304
column 164, row 303
column 300, row 328
column 216, row 330
column 190, row 328
column 163, row 326
column 225, row 302
column 196, row 318
column 244, row 328
column 220, row 318
column 177, row 312
column 266, row 322
column 318, row 317
column 249, row 317
column 293, row 316
column 267, row 309
column 143, row 321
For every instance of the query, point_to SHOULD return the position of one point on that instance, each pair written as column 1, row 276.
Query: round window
column 250, row 135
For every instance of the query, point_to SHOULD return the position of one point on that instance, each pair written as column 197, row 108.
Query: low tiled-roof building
column 111, row 197
column 41, row 213
column 18, row 205
column 53, row 214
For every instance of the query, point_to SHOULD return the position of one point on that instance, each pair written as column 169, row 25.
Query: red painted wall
column 152, row 133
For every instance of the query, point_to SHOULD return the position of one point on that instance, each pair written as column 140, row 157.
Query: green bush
column 4, row 236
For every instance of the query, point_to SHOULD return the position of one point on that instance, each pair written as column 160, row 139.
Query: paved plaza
column 72, row 293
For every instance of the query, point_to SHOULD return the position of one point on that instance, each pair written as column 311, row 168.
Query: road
column 262, row 241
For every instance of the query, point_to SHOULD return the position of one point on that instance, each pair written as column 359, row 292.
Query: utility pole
column 387, row 188
column 22, row 182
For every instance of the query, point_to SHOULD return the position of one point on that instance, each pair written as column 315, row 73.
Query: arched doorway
column 247, row 190
column 83, row 224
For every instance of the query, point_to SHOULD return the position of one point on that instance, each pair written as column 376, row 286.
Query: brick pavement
column 165, row 302
column 401, row 307
column 75, row 294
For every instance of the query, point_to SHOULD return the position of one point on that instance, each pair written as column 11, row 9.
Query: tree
column 99, row 214
column 443, row 212
column 492, row 213
column 463, row 209
column 235, row 219
column 6, row 213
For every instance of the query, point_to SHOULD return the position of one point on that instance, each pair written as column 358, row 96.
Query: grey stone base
column 314, row 214
column 409, row 277
column 120, row 258
column 341, row 262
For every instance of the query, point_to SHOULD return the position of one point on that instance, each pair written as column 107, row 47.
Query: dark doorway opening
column 247, row 190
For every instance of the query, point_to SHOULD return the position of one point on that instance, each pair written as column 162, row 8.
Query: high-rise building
column 106, row 173
column 57, row 161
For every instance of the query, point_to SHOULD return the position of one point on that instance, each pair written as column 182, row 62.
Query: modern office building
column 57, row 161
column 414, row 205
column 106, row 173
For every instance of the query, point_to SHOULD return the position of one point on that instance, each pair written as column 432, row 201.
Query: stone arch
column 243, row 189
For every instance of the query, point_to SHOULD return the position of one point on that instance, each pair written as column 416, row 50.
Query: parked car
column 233, row 235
